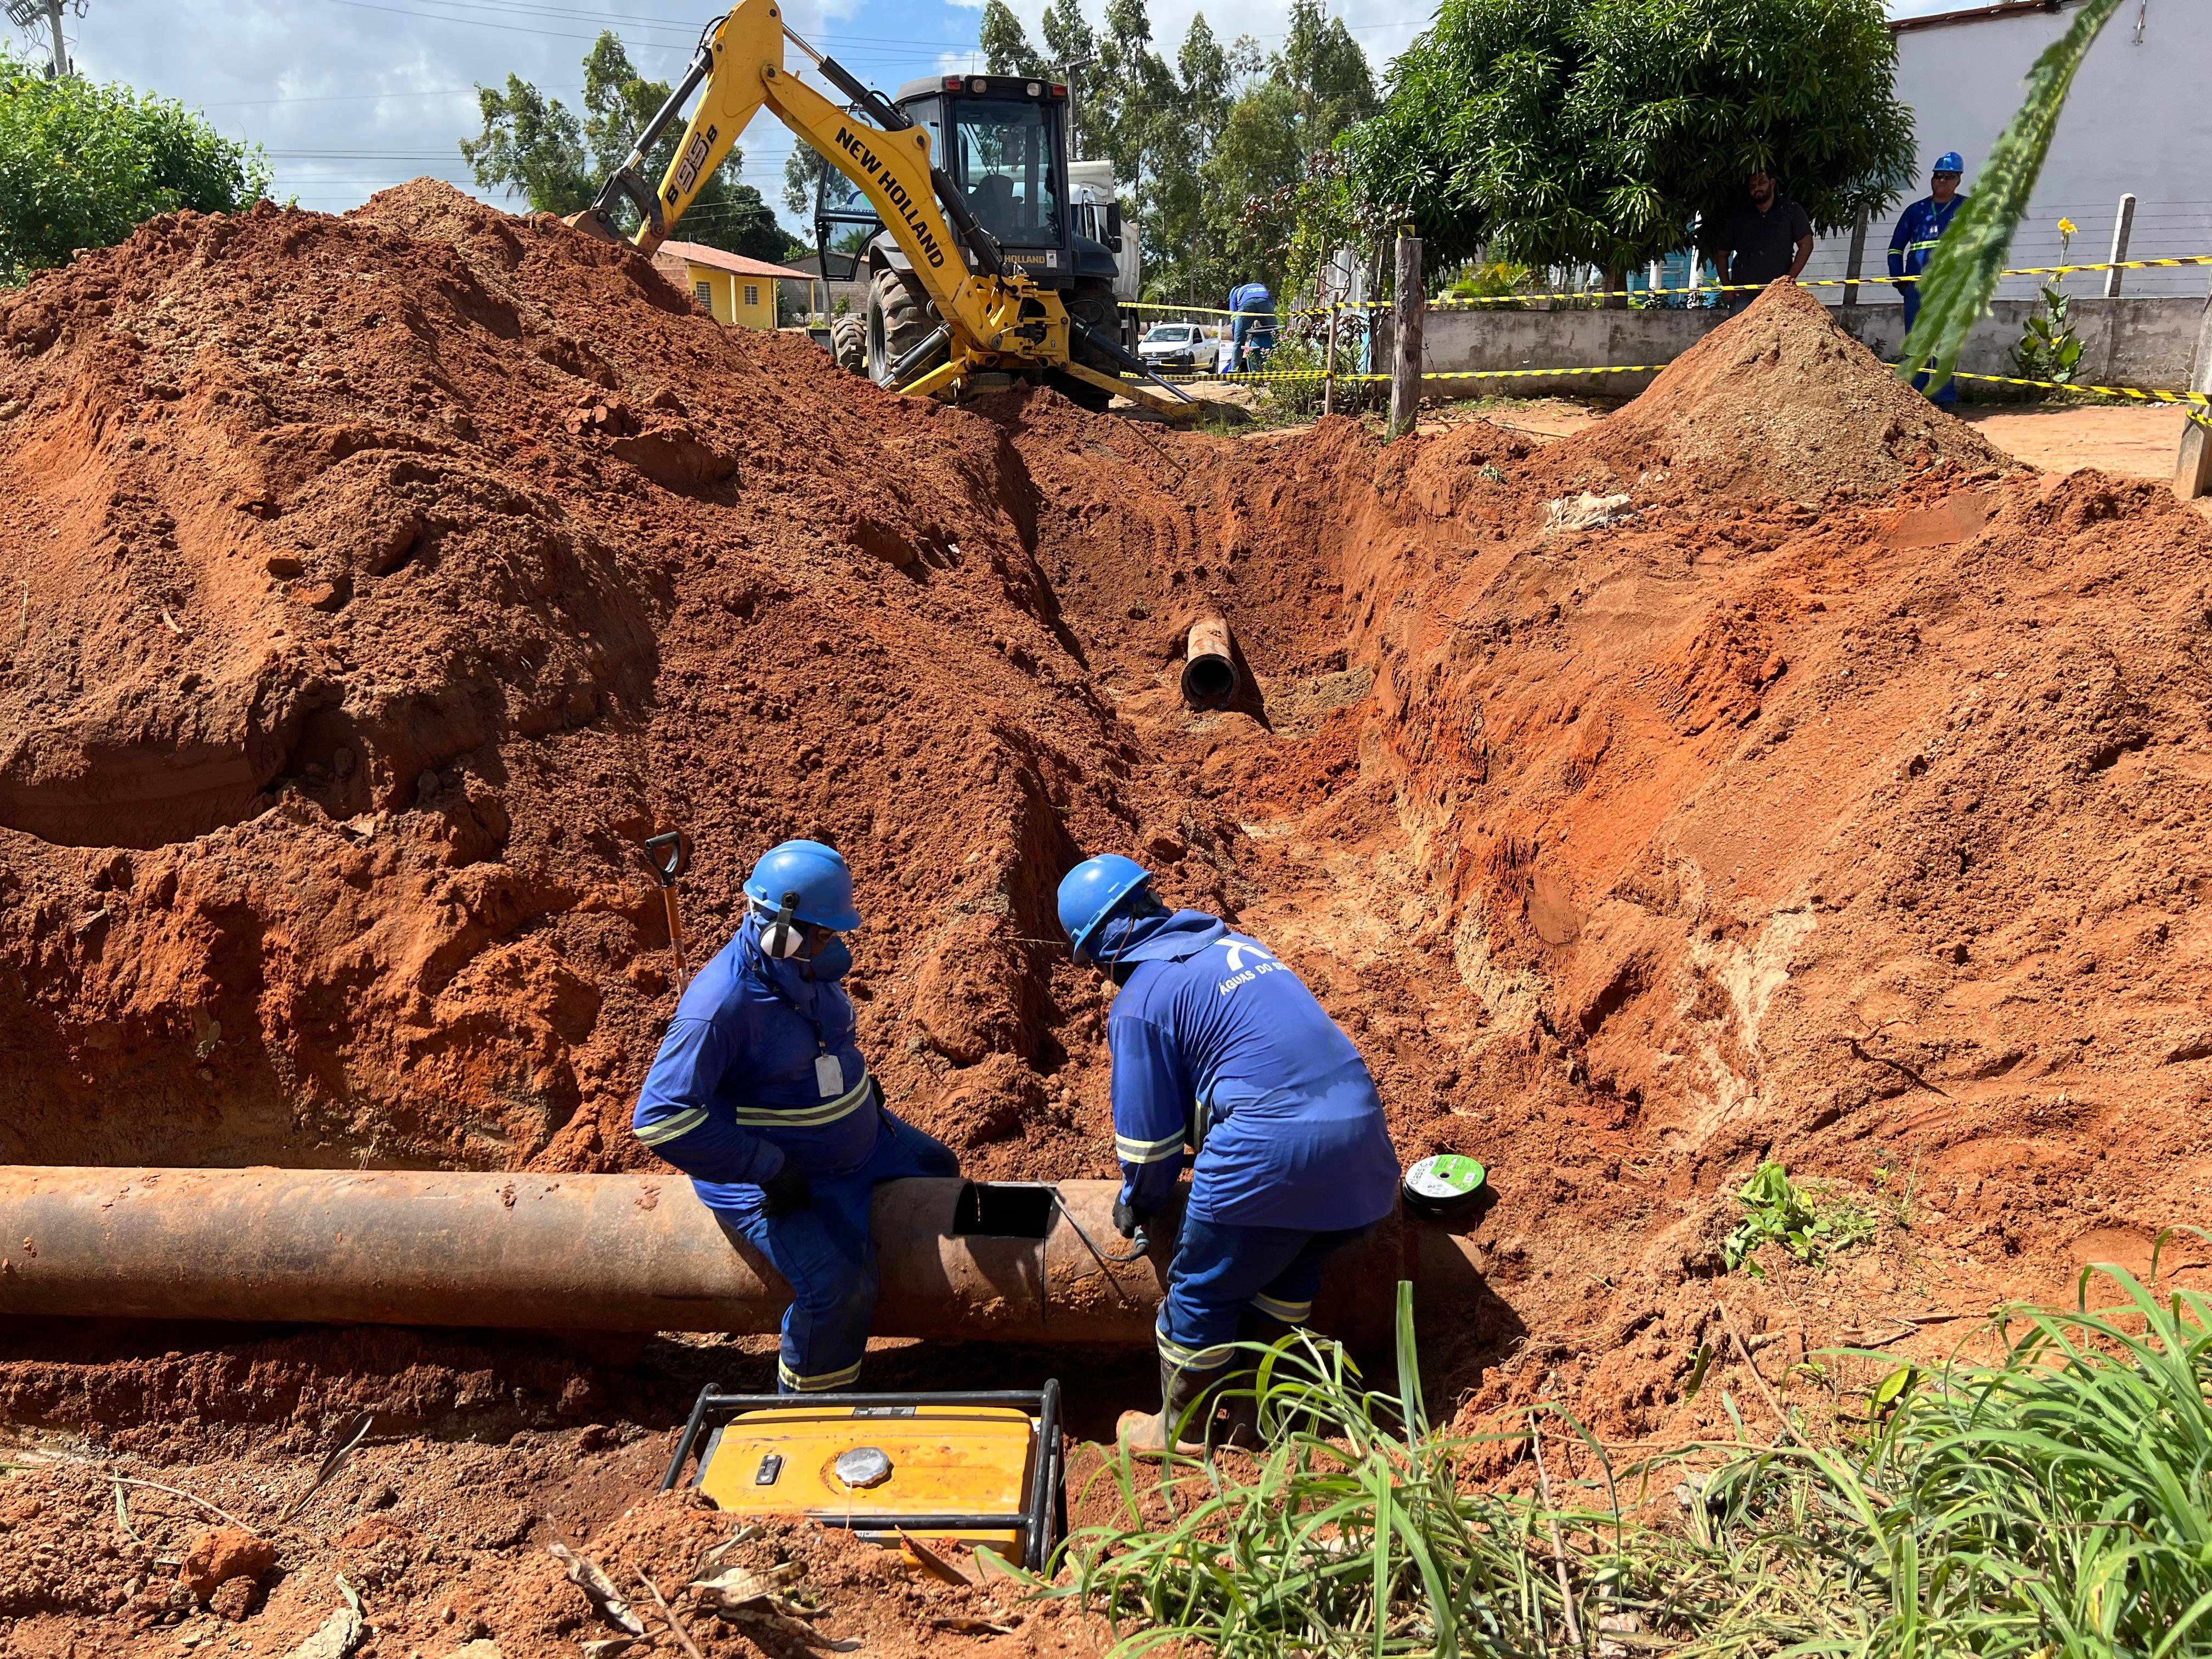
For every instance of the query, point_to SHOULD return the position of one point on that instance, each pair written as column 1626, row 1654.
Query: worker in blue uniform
column 1218, row 1048
column 1919, row 228
column 1251, row 326
column 760, row 1095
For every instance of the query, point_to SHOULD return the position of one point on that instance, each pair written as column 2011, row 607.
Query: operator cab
column 1002, row 142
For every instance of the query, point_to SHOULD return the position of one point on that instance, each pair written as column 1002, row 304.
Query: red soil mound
column 389, row 578
column 1780, row 401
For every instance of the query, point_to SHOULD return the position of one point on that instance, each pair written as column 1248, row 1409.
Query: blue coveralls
column 735, row 1091
column 1919, row 228
column 1252, row 326
column 1218, row 1046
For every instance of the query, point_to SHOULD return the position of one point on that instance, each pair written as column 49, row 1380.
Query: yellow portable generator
column 982, row 1468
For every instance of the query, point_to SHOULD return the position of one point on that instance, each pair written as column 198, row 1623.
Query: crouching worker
column 1218, row 1046
column 760, row 1095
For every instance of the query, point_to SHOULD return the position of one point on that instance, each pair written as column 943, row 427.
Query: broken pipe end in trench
column 1209, row 665
column 958, row 1261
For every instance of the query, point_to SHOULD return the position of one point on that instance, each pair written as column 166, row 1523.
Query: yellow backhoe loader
column 977, row 281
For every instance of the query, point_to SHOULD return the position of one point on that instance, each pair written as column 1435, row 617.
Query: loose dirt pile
column 387, row 579
column 1781, row 402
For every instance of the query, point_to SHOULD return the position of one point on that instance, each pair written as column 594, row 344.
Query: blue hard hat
column 1089, row 892
column 1949, row 161
column 818, row 874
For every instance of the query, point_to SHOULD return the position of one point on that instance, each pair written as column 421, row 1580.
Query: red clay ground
column 1842, row 799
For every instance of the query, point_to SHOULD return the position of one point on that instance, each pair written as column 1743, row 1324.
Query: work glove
column 1128, row 1217
column 786, row 1191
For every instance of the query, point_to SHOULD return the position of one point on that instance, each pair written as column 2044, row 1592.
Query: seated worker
column 760, row 1095
column 995, row 207
column 1218, row 1046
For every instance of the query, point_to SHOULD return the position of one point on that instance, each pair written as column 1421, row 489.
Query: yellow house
column 734, row 288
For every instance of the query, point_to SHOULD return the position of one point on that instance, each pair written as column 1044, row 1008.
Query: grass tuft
column 2055, row 1503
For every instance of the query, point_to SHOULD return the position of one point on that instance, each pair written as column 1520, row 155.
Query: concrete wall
column 2147, row 343
column 2139, row 120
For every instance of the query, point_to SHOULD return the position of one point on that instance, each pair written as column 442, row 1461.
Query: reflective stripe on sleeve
column 668, row 1129
column 1148, row 1152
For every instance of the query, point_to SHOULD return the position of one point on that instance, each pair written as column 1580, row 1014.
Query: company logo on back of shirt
column 1239, row 949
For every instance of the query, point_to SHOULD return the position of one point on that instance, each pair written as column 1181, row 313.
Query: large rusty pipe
column 615, row 1253
column 1209, row 665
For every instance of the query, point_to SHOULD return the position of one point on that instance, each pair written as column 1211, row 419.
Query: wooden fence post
column 2192, row 468
column 1405, row 366
column 1328, row 366
column 2123, row 224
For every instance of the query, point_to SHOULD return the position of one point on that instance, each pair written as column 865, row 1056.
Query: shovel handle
column 670, row 855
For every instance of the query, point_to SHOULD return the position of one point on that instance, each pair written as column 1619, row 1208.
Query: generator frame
column 1037, row 1522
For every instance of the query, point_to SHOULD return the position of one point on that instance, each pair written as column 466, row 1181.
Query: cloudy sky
column 348, row 96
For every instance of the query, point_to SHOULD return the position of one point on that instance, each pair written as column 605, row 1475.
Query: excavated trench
column 1771, row 771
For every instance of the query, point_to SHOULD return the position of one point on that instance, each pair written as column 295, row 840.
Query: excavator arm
column 985, row 316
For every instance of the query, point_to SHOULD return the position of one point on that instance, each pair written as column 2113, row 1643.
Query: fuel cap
column 1449, row 1187
column 862, row 1466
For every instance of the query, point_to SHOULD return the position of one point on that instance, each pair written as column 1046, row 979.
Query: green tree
column 1004, row 43
column 531, row 144
column 1270, row 174
column 802, row 170
column 1068, row 42
column 1188, row 265
column 1597, row 131
column 534, row 145
column 1251, row 178
column 82, row 165
column 1327, row 73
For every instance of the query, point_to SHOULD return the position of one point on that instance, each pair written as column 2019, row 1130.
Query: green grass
column 2052, row 1502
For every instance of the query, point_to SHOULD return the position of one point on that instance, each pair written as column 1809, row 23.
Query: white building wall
column 2140, row 119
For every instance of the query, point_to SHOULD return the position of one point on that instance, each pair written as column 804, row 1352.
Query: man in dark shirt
column 1768, row 237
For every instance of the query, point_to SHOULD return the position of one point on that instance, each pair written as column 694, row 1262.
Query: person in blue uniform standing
column 760, row 1095
column 1218, row 1048
column 1919, row 228
column 1251, row 326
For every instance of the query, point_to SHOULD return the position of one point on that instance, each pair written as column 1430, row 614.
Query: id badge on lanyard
column 828, row 1076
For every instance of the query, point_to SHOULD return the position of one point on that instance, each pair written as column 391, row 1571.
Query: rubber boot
column 1240, row 1397
column 1146, row 1433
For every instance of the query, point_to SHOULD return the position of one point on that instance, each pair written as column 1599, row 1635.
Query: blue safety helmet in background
column 1089, row 893
column 816, row 874
column 1950, row 161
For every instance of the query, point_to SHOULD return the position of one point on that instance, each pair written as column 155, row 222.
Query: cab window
column 1005, row 167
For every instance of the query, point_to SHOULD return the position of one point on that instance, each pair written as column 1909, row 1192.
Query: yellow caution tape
column 2140, row 393
column 1647, row 293
column 1261, row 377
column 1755, row 288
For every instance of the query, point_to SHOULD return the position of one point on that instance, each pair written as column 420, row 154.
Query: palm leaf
column 1962, row 273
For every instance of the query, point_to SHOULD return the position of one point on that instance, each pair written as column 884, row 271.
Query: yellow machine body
column 971, row 1462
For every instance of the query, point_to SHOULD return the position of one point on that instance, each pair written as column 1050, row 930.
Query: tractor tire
column 848, row 342
column 1091, row 303
column 898, row 321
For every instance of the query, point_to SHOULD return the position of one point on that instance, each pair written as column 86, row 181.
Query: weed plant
column 2055, row 1503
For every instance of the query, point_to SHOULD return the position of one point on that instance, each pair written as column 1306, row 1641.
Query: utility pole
column 1074, row 125
column 30, row 15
